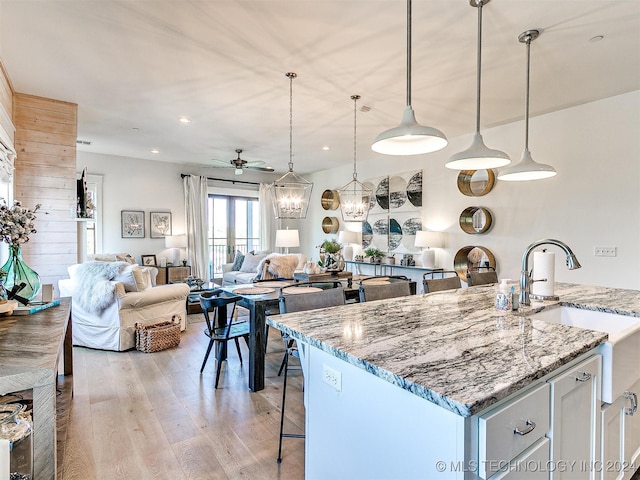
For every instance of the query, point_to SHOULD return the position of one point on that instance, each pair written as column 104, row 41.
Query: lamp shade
column 526, row 169
column 175, row 241
column 287, row 238
column 347, row 236
column 429, row 239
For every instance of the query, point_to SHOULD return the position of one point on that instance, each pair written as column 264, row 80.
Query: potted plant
column 374, row 254
column 332, row 258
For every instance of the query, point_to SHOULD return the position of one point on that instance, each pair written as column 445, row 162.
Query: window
column 234, row 224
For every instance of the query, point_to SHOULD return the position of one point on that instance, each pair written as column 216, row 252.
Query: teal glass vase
column 18, row 272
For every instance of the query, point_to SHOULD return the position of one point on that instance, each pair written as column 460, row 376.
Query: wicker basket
column 159, row 336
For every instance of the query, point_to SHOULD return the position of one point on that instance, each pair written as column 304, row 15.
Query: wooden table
column 324, row 277
column 30, row 348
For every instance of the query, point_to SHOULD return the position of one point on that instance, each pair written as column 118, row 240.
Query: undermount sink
column 620, row 353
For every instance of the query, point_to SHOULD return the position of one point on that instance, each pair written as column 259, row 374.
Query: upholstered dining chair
column 481, row 278
column 380, row 288
column 449, row 280
column 220, row 326
column 291, row 300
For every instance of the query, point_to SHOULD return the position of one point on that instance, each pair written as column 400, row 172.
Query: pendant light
column 410, row 138
column 354, row 196
column 478, row 156
column 291, row 192
column 526, row 168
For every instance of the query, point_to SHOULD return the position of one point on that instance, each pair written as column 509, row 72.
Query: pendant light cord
column 479, row 61
column 526, row 105
column 408, row 52
column 291, row 76
column 355, row 99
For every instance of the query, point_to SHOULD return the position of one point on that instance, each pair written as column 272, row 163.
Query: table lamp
column 429, row 240
column 287, row 238
column 347, row 237
column 175, row 242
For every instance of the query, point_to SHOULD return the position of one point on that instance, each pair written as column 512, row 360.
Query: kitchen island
column 400, row 388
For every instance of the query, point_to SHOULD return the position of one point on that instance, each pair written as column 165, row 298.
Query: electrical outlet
column 605, row 251
column 332, row 377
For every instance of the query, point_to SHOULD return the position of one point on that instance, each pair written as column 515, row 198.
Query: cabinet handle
column 530, row 425
column 634, row 403
column 583, row 377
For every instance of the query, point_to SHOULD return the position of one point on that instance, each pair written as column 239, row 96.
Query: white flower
column 16, row 222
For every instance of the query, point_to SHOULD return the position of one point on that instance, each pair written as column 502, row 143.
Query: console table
column 324, row 277
column 30, row 348
column 172, row 273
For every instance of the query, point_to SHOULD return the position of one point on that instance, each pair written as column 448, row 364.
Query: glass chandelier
column 354, row 196
column 291, row 193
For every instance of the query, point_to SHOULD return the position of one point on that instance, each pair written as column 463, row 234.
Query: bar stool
column 220, row 327
column 431, row 284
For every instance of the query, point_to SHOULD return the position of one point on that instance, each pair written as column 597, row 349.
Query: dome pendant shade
column 410, row 138
column 478, row 156
column 527, row 169
column 291, row 196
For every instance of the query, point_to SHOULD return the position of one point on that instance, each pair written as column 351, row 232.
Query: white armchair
column 104, row 313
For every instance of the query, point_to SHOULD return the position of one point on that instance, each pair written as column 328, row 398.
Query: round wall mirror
column 474, row 220
column 472, row 258
column 330, row 200
column 330, row 225
column 476, row 183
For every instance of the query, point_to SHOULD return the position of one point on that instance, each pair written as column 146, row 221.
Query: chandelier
column 291, row 193
column 354, row 196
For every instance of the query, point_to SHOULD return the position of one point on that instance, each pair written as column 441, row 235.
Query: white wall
column 593, row 201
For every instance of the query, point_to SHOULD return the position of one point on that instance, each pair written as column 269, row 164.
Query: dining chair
column 481, row 278
column 328, row 295
column 431, row 284
column 221, row 326
column 380, row 288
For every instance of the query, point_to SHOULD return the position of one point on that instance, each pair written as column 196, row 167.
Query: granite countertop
column 453, row 348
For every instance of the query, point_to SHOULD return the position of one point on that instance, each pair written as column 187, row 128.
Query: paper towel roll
column 543, row 267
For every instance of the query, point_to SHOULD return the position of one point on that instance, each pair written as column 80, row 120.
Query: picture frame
column 159, row 224
column 148, row 260
column 132, row 223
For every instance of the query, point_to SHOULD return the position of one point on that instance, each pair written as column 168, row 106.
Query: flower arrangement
column 16, row 222
column 331, row 246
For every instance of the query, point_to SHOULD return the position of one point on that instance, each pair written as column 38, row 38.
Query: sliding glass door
column 234, row 224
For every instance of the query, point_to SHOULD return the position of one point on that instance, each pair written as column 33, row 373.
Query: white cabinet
column 621, row 436
column 531, row 465
column 575, row 420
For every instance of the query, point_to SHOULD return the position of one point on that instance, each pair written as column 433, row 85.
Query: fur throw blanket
column 92, row 286
column 278, row 266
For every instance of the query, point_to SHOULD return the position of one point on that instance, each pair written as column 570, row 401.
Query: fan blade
column 260, row 169
column 254, row 163
column 222, row 163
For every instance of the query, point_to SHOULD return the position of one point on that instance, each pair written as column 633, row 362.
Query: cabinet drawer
column 507, row 431
column 533, row 464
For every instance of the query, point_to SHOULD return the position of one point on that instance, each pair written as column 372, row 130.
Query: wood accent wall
column 45, row 140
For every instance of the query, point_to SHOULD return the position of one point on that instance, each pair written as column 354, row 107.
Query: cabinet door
column 612, row 433
column 531, row 465
column 631, row 434
column 575, row 420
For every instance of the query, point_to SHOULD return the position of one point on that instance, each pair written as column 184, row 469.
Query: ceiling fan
column 239, row 164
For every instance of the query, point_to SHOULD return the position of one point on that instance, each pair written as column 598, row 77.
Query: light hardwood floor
column 153, row 416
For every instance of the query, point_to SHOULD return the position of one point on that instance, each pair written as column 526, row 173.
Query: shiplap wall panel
column 45, row 140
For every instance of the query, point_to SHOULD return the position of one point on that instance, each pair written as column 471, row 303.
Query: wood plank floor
column 154, row 416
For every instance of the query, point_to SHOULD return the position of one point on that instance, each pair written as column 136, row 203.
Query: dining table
column 261, row 299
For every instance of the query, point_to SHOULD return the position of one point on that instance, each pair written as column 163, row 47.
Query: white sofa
column 134, row 299
column 264, row 270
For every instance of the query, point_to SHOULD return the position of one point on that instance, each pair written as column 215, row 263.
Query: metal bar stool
column 431, row 284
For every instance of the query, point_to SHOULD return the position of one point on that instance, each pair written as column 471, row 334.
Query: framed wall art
column 132, row 224
column 159, row 224
column 148, row 260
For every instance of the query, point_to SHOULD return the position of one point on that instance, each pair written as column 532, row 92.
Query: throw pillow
column 237, row 262
column 128, row 278
column 250, row 263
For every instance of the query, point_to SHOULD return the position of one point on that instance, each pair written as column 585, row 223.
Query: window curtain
column 267, row 217
column 195, row 203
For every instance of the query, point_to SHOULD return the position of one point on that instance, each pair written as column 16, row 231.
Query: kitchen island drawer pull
column 634, row 403
column 583, row 377
column 530, row 425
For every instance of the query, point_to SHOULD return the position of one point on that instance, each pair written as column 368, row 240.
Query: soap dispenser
column 503, row 298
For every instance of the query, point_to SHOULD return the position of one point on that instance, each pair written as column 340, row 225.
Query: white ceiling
column 142, row 64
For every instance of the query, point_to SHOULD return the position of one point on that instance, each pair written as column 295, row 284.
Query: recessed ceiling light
column 596, row 38
column 154, row 150
column 135, row 129
column 326, row 147
column 184, row 120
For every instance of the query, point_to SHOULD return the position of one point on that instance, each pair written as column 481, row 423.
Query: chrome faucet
column 525, row 277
